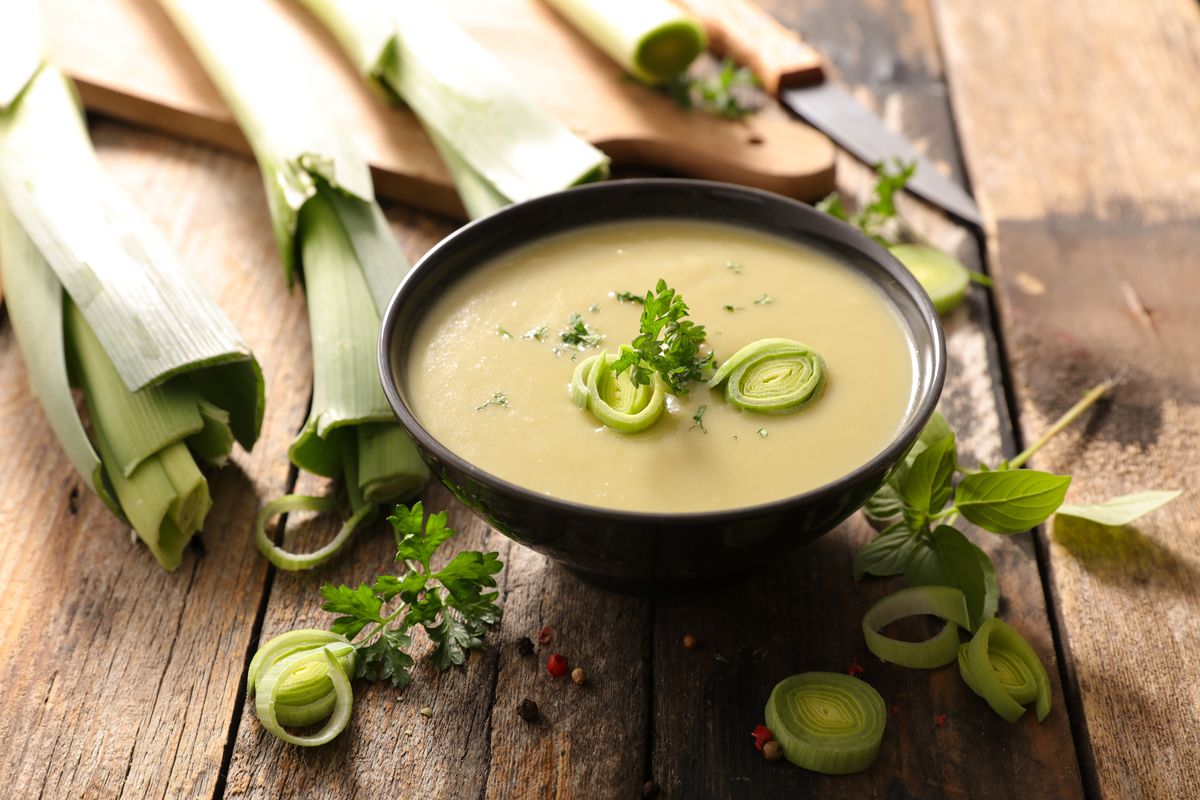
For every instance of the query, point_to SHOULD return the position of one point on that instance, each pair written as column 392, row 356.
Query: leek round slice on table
column 653, row 40
column 1010, row 672
column 827, row 722
column 944, row 602
column 304, row 687
column 941, row 275
column 772, row 376
column 615, row 400
column 998, row 663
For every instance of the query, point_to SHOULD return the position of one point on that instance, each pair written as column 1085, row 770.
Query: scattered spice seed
column 525, row 646
column 772, row 751
column 545, row 635
column 855, row 669
column 689, row 642
column 578, row 676
column 762, row 734
column 556, row 665
column 528, row 710
column 649, row 790
column 426, row 712
column 940, row 720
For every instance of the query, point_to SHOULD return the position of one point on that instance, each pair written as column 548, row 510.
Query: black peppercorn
column 525, row 646
column 528, row 710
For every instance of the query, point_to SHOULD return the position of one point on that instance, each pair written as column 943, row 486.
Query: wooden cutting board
column 129, row 62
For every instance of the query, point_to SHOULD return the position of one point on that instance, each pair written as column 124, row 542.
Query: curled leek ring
column 827, row 722
column 940, row 601
column 772, row 376
column 285, row 559
column 301, row 678
column 616, row 400
column 999, row 663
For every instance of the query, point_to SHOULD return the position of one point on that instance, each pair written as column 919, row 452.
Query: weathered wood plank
column 805, row 613
column 120, row 679
column 1086, row 167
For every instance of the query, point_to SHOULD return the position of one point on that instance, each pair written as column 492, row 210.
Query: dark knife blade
column 793, row 72
column 828, row 107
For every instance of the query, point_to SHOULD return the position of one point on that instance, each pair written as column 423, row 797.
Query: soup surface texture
column 488, row 369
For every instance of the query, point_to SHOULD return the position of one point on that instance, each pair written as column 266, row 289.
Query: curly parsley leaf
column 668, row 343
column 455, row 604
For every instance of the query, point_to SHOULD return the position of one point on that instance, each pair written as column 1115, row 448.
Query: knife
column 794, row 73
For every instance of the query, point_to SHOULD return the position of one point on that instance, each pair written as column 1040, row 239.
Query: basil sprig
column 918, row 506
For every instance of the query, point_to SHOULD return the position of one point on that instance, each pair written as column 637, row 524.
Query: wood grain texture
column 130, row 62
column 804, row 613
column 120, row 679
column 1087, row 169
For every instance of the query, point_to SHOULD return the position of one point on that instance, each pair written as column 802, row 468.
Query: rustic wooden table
column 1076, row 123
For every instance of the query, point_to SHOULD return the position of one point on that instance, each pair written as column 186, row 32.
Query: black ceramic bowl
column 647, row 554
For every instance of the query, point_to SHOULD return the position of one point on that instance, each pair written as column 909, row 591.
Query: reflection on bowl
column 645, row 553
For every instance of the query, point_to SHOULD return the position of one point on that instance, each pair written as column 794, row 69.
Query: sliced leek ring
column 827, row 722
column 996, row 643
column 615, row 400
column 772, row 376
column 944, row 602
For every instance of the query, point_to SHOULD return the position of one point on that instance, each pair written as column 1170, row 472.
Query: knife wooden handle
column 744, row 32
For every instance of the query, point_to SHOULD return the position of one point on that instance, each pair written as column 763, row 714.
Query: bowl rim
column 889, row 454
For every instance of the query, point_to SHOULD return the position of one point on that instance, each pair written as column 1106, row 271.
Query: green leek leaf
column 498, row 145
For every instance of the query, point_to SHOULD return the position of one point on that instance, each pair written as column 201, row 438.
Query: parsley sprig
column 453, row 604
column 879, row 216
column 668, row 343
column 728, row 93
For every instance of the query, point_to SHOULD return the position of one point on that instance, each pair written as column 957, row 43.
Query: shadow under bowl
column 640, row 553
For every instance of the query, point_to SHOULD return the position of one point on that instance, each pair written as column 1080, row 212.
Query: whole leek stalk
column 498, row 145
column 98, row 300
column 653, row 40
column 330, row 231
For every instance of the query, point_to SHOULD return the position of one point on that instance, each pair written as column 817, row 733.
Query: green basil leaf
column 935, row 430
column 884, row 504
column 926, row 487
column 886, row 554
column 1120, row 510
column 947, row 558
column 1010, row 501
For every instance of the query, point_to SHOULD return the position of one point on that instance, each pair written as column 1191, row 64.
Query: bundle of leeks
column 499, row 146
column 330, row 230
column 98, row 300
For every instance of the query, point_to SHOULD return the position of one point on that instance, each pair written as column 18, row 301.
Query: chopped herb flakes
column 628, row 297
column 698, row 419
column 594, row 308
column 579, row 335
column 502, row 333
column 762, row 432
column 764, row 300
column 538, row 333
column 498, row 399
column 734, row 267
column 731, row 309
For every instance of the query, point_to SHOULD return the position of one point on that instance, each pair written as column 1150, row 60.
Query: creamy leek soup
column 489, row 370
